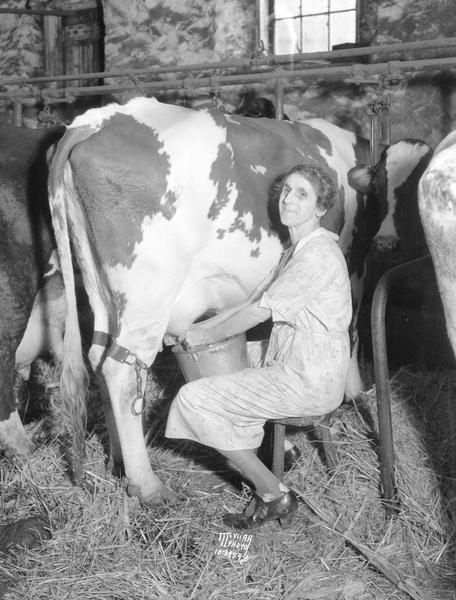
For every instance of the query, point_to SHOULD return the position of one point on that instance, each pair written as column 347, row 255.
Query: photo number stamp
column 234, row 546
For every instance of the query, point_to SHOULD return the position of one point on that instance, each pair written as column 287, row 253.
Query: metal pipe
column 270, row 61
column 382, row 385
column 189, row 83
column 279, row 99
column 17, row 113
column 386, row 126
column 374, row 138
column 37, row 11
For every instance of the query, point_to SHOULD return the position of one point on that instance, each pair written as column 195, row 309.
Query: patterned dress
column 306, row 362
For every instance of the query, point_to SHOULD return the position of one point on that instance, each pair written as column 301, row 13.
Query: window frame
column 266, row 25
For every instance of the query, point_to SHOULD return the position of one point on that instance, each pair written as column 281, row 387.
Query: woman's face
column 298, row 202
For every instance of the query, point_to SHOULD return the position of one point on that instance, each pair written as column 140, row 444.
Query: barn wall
column 164, row 32
column 21, row 43
column 169, row 32
column 424, row 106
column 22, row 53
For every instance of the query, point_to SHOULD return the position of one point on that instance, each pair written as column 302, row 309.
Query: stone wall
column 22, row 54
column 423, row 105
column 169, row 32
column 177, row 32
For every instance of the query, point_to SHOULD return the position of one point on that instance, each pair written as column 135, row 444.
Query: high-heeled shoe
column 258, row 512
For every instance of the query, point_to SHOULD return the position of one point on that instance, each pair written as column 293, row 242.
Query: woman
column 307, row 358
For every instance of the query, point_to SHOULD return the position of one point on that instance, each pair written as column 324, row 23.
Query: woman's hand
column 226, row 324
column 199, row 334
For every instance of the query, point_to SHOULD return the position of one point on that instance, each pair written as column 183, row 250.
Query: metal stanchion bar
column 191, row 83
column 292, row 60
column 279, row 99
column 382, row 384
column 37, row 11
column 17, row 114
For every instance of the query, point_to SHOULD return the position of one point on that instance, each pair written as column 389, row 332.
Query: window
column 295, row 26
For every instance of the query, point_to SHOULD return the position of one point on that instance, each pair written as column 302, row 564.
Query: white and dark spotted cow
column 437, row 205
column 26, row 266
column 167, row 210
column 393, row 181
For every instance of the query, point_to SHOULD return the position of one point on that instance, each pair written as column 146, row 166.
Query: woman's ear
column 320, row 212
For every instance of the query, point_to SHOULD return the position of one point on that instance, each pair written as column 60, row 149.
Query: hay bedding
column 104, row 545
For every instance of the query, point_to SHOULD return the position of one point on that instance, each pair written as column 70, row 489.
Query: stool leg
column 324, row 435
column 278, row 449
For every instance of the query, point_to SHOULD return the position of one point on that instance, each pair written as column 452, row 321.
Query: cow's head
column 393, row 182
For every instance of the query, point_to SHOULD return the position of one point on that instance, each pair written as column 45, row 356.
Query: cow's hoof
column 14, row 440
column 163, row 496
column 159, row 495
column 25, row 448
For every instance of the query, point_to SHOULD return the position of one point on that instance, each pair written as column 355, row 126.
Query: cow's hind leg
column 122, row 383
column 13, row 438
column 114, row 451
column 103, row 373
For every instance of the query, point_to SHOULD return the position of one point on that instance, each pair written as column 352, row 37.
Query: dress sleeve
column 301, row 288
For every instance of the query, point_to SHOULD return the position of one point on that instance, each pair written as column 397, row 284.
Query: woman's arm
column 225, row 314
column 237, row 320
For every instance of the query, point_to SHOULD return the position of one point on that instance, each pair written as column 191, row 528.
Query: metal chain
column 139, row 366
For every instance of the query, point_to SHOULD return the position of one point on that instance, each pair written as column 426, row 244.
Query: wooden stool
column 321, row 426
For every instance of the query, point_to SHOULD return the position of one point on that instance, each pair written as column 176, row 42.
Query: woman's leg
column 266, row 484
column 272, row 501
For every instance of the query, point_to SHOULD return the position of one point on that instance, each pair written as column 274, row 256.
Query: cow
column 394, row 183
column 31, row 288
column 437, row 207
column 166, row 208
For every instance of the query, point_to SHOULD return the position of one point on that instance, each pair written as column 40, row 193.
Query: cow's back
column 437, row 204
column 24, row 212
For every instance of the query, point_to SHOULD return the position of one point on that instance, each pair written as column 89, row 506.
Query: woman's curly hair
column 324, row 185
column 322, row 182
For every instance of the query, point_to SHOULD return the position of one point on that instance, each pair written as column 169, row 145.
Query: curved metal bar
column 382, row 385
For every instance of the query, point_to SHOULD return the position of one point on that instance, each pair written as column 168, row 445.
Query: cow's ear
column 360, row 178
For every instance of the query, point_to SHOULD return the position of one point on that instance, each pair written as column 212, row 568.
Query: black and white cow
column 394, row 183
column 167, row 210
column 27, row 266
column 437, row 205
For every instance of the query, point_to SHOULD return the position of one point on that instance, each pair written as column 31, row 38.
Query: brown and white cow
column 167, row 211
column 437, row 205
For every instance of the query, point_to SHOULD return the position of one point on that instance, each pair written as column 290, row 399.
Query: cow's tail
column 74, row 378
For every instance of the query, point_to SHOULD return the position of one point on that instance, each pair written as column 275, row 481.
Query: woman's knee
column 187, row 395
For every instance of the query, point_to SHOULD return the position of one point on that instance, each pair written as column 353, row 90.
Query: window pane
column 315, row 33
column 342, row 4
column 287, row 39
column 342, row 27
column 313, row 7
column 286, row 8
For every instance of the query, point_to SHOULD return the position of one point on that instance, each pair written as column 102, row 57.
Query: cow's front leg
column 121, row 380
